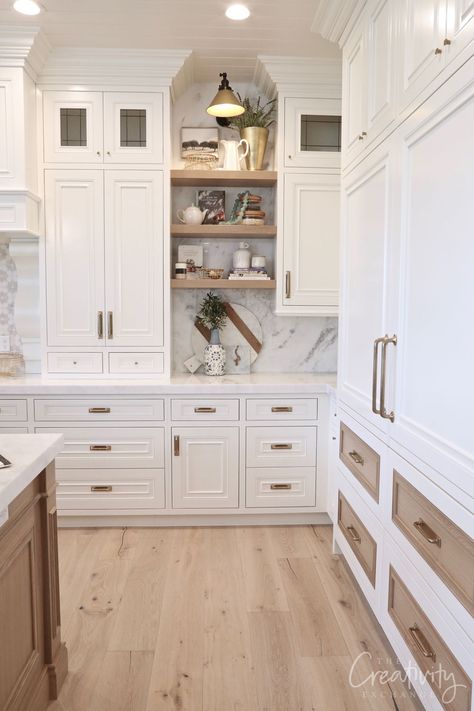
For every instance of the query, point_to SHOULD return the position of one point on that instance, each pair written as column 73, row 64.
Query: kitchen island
column 33, row 660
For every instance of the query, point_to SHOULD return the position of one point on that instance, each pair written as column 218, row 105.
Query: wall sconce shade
column 225, row 103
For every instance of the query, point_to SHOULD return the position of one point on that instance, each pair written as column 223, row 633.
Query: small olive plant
column 257, row 115
column 212, row 312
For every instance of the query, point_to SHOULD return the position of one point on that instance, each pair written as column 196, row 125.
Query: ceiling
column 275, row 27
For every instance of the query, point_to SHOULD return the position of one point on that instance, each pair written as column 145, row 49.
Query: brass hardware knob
column 438, row 50
column 98, row 153
column 74, row 362
column 446, row 42
column 109, row 153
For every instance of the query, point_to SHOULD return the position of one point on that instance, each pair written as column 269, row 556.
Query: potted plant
column 253, row 126
column 213, row 314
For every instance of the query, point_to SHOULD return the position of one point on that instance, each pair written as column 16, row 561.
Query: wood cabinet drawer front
column 202, row 410
column 281, row 446
column 143, row 363
column 361, row 460
column 98, row 410
column 13, row 411
column 110, row 448
column 358, row 537
column 444, row 546
column 273, row 488
column 75, row 363
column 282, row 409
column 115, row 490
column 428, row 648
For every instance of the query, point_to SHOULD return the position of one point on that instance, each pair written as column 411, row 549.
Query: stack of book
column 253, row 214
column 250, row 273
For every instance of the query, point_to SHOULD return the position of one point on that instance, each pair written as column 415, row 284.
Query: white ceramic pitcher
column 232, row 157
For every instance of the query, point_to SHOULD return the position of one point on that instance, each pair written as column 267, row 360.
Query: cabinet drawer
column 97, row 410
column 202, row 410
column 289, row 486
column 428, row 648
column 361, row 542
column 75, row 363
column 444, row 546
column 283, row 409
column 281, row 446
column 143, row 363
column 109, row 448
column 13, row 411
column 96, row 489
column 360, row 459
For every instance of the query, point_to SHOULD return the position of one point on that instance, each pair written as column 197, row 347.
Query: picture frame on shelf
column 199, row 143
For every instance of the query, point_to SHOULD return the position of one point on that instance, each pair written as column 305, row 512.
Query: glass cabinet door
column 72, row 127
column 312, row 133
column 133, row 127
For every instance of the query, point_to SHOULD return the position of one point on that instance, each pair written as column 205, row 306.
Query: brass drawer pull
column 356, row 457
column 99, row 410
column 101, row 488
column 427, row 532
column 353, row 534
column 110, row 325
column 281, row 446
column 287, row 285
column 383, row 412
column 204, row 410
column 280, row 487
column 176, row 445
column 100, row 325
column 421, row 642
column 282, row 409
column 100, row 447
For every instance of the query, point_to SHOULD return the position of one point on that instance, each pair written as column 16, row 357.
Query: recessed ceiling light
column 27, row 7
column 237, row 12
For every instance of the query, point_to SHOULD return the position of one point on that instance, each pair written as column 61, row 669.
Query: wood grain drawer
column 142, row 363
column 281, row 446
column 282, row 409
column 444, row 546
column 429, row 650
column 93, row 409
column 75, row 363
column 273, row 488
column 361, row 460
column 361, row 542
column 198, row 410
column 13, row 411
column 95, row 489
column 109, row 448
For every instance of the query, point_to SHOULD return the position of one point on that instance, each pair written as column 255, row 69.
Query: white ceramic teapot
column 192, row 215
column 232, row 157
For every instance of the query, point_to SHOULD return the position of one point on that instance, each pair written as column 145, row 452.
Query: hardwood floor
column 217, row 619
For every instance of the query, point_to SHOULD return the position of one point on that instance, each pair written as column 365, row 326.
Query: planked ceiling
column 275, row 27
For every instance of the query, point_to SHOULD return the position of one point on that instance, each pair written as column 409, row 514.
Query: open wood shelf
column 223, row 284
column 223, row 231
column 229, row 178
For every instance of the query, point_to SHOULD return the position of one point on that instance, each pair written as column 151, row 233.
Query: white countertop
column 29, row 455
column 258, row 383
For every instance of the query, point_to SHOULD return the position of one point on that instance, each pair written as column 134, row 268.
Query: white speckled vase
column 214, row 355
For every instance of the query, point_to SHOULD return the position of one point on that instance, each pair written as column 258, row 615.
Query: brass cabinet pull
column 280, row 487
column 287, row 285
column 100, row 325
column 101, row 487
column 438, row 50
column 110, row 325
column 281, row 446
column 176, row 445
column 375, row 376
column 204, row 410
column 427, row 532
column 353, row 534
column 383, row 412
column 282, row 409
column 421, row 642
column 99, row 410
column 100, row 448
column 356, row 457
column 446, row 42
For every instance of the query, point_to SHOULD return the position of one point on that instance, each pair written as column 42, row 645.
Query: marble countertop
column 29, row 455
column 258, row 383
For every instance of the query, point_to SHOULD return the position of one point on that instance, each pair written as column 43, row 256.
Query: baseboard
column 315, row 519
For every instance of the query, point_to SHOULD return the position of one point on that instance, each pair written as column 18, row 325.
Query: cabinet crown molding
column 298, row 75
column 23, row 47
column 333, row 17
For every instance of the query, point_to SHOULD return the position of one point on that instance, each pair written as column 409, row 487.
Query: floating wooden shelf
column 229, row 178
column 223, row 284
column 222, row 231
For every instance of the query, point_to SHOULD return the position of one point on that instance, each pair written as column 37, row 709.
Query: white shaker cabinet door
column 134, row 263
column 460, row 27
column 74, row 214
column 133, row 127
column 354, row 94
column 381, row 32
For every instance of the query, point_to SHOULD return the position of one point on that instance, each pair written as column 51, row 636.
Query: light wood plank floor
column 217, row 619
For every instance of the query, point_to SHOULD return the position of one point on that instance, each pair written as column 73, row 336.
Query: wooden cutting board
column 242, row 328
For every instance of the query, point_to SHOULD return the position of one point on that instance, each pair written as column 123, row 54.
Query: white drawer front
column 13, row 411
column 281, row 446
column 290, row 486
column 109, row 448
column 143, row 363
column 94, row 489
column 202, row 410
column 93, row 409
column 75, row 363
column 282, row 409
column 13, row 430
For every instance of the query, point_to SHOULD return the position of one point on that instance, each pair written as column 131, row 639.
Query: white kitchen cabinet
column 310, row 267
column 133, row 127
column 459, row 27
column 354, row 71
column 205, row 467
column 312, row 133
column 73, row 127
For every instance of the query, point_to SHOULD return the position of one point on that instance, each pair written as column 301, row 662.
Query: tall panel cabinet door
column 435, row 383
column 74, row 214
column 73, row 127
column 354, row 94
column 460, row 26
column 381, row 36
column 205, row 467
column 311, row 242
column 134, row 257
column 133, row 127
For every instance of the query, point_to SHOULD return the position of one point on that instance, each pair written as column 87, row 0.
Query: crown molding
column 286, row 74
column 24, row 47
column 333, row 18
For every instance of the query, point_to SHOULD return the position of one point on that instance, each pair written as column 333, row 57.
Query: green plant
column 212, row 312
column 256, row 115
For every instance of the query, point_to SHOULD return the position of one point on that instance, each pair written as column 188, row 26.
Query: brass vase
column 257, row 139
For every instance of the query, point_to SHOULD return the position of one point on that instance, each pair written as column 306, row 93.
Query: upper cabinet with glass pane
column 312, row 133
column 73, row 126
column 133, row 127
